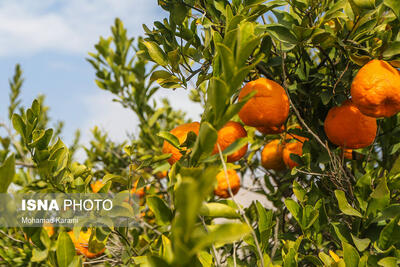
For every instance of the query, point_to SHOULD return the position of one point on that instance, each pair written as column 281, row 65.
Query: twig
column 296, row 111
column 151, row 227
column 25, row 164
column 10, row 237
column 234, row 254
column 313, row 173
column 276, row 244
column 336, row 164
column 328, row 58
column 216, row 255
column 242, row 213
column 340, row 77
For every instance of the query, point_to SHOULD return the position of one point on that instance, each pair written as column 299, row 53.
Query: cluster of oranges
column 227, row 135
column 375, row 93
column 268, row 110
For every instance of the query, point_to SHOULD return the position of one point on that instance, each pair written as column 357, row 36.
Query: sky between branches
column 51, row 39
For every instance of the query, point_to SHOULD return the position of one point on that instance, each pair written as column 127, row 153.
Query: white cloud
column 118, row 121
column 109, row 116
column 28, row 27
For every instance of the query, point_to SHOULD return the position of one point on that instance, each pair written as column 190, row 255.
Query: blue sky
column 51, row 39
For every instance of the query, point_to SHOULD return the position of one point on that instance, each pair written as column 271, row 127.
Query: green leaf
column 218, row 210
column 334, row 11
column 392, row 50
column 115, row 178
column 361, row 243
column 389, row 262
column 388, row 234
column 178, row 13
column 342, row 232
column 160, row 75
column 294, row 208
column 170, row 138
column 154, row 261
column 228, row 62
column 44, row 238
column 344, row 206
column 166, row 251
column 206, row 259
column 289, row 260
column 222, row 234
column 65, row 251
column 325, row 258
column 264, row 224
column 7, row 172
column 396, row 167
column 235, row 146
column 19, row 125
column 380, row 197
column 76, row 262
column 359, row 60
column 161, row 211
column 350, row 255
column 365, row 4
column 156, row 53
column 281, row 33
column 195, row 185
column 205, row 142
column 39, row 255
column 309, row 216
column 394, row 5
column 389, row 212
column 299, row 192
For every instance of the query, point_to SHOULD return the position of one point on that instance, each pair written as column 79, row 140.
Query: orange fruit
column 271, row 129
column 293, row 147
column 268, row 107
column 347, row 127
column 82, row 244
column 271, row 156
column 347, row 153
column 96, row 186
column 222, row 189
column 228, row 135
column 181, row 133
column 376, row 89
column 49, row 228
column 138, row 192
column 161, row 175
column 350, row 154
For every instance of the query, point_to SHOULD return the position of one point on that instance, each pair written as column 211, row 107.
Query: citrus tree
column 301, row 100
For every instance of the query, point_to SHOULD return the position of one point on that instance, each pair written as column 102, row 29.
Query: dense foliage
column 328, row 211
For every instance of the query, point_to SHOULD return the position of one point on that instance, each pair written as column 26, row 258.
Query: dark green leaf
column 394, row 5
column 161, row 211
column 170, row 138
column 65, row 250
column 281, row 33
column 388, row 234
column 392, row 50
